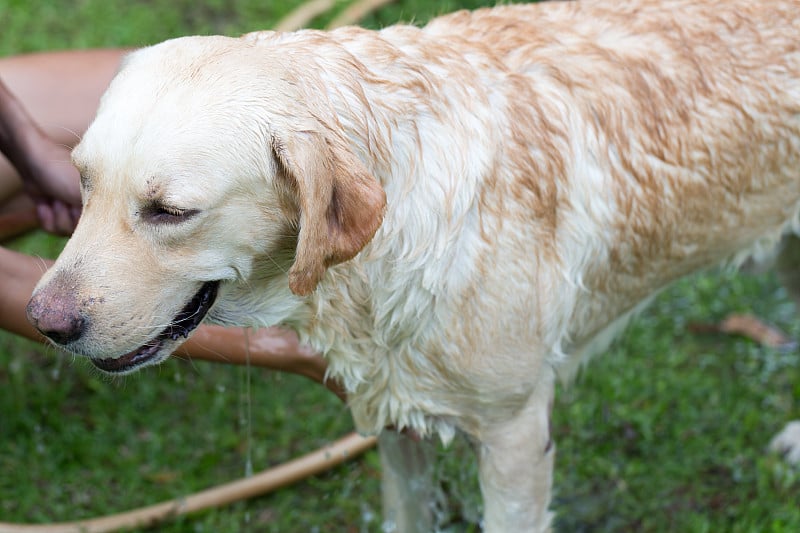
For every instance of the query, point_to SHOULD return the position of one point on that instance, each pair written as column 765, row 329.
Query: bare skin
column 46, row 101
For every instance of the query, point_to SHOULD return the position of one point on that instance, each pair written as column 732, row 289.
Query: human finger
column 56, row 217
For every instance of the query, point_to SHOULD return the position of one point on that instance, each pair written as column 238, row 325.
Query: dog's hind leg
column 516, row 460
column 787, row 267
column 409, row 497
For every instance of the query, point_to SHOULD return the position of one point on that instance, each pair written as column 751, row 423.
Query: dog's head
column 211, row 163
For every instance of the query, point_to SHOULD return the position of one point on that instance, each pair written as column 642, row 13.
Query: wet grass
column 665, row 432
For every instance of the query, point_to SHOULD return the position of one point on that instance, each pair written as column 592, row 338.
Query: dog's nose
column 56, row 316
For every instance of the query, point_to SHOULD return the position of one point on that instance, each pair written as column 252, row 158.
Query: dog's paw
column 787, row 442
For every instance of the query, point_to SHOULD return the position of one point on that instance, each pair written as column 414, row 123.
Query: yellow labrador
column 456, row 216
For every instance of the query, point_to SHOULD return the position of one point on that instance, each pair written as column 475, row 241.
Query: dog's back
column 645, row 140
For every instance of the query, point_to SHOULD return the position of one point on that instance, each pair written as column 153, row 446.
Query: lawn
column 665, row 432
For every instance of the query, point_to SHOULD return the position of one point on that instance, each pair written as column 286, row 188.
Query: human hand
column 44, row 166
column 52, row 182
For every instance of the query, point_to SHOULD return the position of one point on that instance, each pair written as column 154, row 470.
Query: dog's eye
column 167, row 214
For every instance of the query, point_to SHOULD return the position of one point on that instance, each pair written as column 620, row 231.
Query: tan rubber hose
column 269, row 480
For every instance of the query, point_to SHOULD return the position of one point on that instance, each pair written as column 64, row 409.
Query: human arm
column 44, row 165
column 274, row 348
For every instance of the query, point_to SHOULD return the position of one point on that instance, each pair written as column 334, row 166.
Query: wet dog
column 456, row 215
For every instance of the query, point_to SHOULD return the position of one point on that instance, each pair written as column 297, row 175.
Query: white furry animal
column 456, row 216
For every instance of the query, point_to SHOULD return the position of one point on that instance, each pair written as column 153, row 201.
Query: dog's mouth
column 184, row 323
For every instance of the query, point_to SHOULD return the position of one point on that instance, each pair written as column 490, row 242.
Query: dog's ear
column 341, row 204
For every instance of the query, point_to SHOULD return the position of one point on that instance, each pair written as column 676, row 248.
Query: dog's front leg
column 516, row 460
column 407, row 484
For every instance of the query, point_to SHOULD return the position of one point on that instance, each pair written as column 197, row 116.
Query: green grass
column 665, row 432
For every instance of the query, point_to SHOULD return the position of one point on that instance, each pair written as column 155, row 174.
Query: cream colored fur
column 455, row 216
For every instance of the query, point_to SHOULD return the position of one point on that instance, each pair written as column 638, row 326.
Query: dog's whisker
column 276, row 264
column 71, row 132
